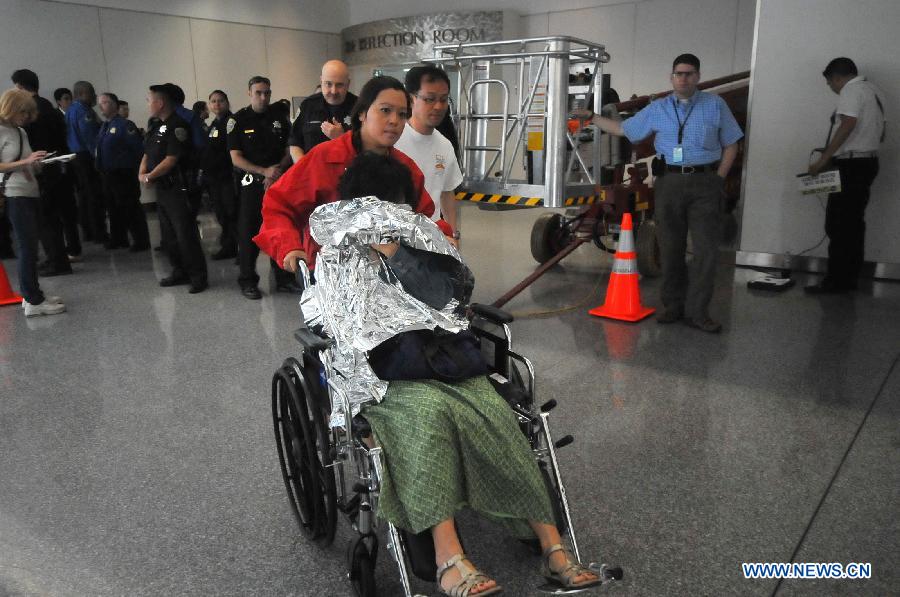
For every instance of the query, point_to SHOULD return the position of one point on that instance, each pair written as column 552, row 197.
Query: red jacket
column 308, row 184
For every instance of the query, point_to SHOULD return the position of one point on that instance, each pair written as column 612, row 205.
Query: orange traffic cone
column 7, row 296
column 623, row 297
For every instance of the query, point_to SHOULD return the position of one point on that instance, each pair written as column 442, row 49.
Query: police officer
column 83, row 126
column 119, row 151
column 198, row 132
column 219, row 175
column 165, row 151
column 324, row 115
column 257, row 141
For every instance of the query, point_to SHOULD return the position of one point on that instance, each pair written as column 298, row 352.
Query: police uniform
column 82, row 128
column 219, row 176
column 178, row 228
column 306, row 132
column 119, row 150
column 262, row 139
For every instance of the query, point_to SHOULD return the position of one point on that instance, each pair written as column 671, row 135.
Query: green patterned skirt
column 448, row 446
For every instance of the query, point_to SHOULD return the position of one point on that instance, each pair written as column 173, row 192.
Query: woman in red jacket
column 378, row 119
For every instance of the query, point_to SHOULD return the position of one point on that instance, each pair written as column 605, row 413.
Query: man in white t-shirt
column 429, row 87
column 853, row 150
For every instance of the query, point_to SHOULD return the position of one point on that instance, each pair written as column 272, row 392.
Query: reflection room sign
column 410, row 39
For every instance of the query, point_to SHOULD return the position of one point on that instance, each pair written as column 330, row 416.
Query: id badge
column 677, row 154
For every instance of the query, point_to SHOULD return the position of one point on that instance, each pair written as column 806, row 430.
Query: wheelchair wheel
column 361, row 556
column 304, row 451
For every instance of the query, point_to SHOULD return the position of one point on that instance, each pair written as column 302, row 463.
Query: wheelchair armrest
column 309, row 339
column 491, row 313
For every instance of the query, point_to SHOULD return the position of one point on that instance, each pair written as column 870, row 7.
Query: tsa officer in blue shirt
column 82, row 127
column 696, row 143
column 119, row 151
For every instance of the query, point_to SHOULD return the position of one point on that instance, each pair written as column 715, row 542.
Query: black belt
column 692, row 169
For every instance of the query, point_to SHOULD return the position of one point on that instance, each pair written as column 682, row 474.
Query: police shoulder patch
column 229, row 126
column 181, row 134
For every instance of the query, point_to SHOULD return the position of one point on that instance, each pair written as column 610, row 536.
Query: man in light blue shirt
column 696, row 139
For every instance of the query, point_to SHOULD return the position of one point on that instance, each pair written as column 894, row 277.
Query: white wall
column 124, row 51
column 643, row 37
column 790, row 107
column 311, row 15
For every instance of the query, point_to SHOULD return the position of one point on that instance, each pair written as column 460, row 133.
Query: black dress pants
column 54, row 191
column 223, row 196
column 122, row 195
column 249, row 221
column 845, row 222
column 180, row 237
column 91, row 210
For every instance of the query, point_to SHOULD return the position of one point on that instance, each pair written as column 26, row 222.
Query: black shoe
column 198, row 286
column 138, row 248
column 47, row 270
column 251, row 292
column 289, row 286
column 669, row 316
column 174, row 280
column 710, row 326
column 223, row 254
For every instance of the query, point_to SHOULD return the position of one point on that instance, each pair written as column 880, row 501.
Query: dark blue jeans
column 24, row 215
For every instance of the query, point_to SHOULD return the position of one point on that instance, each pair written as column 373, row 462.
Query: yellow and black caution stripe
column 525, row 201
column 505, row 199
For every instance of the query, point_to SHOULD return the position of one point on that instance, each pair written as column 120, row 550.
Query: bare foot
column 453, row 576
column 558, row 562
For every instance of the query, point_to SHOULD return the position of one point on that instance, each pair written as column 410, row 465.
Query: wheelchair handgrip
column 564, row 441
column 303, row 277
column 491, row 313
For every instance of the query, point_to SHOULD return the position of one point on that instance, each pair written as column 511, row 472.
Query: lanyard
column 681, row 124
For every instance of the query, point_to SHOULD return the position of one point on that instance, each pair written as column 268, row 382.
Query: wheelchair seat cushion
column 447, row 446
column 427, row 354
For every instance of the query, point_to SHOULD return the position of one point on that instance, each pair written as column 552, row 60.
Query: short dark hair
column 367, row 96
column 426, row 72
column 61, row 91
column 843, row 67
column 27, row 79
column 176, row 93
column 113, row 97
column 122, row 103
column 164, row 90
column 258, row 79
column 198, row 107
column 220, row 92
column 686, row 59
column 380, row 175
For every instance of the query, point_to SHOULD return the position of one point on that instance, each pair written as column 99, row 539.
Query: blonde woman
column 18, row 165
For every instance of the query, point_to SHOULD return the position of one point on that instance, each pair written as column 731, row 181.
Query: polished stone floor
column 137, row 456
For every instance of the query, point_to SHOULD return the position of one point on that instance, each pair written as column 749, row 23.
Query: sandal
column 573, row 569
column 470, row 577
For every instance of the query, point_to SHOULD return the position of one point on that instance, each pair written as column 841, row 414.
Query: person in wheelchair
column 448, row 439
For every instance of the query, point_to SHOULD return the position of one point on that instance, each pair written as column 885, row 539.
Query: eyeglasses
column 684, row 73
column 430, row 101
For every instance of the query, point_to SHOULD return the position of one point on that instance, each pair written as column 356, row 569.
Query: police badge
column 163, row 129
column 347, row 120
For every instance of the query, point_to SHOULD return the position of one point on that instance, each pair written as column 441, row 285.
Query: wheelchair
column 331, row 470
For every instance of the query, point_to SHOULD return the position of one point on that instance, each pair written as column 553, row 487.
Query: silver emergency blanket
column 357, row 301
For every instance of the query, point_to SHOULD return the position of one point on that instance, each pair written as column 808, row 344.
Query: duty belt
column 852, row 155
column 692, row 169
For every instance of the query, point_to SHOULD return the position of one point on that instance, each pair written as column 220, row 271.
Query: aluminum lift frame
column 532, row 58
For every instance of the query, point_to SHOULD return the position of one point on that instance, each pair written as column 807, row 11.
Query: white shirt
column 17, row 183
column 857, row 99
column 434, row 156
